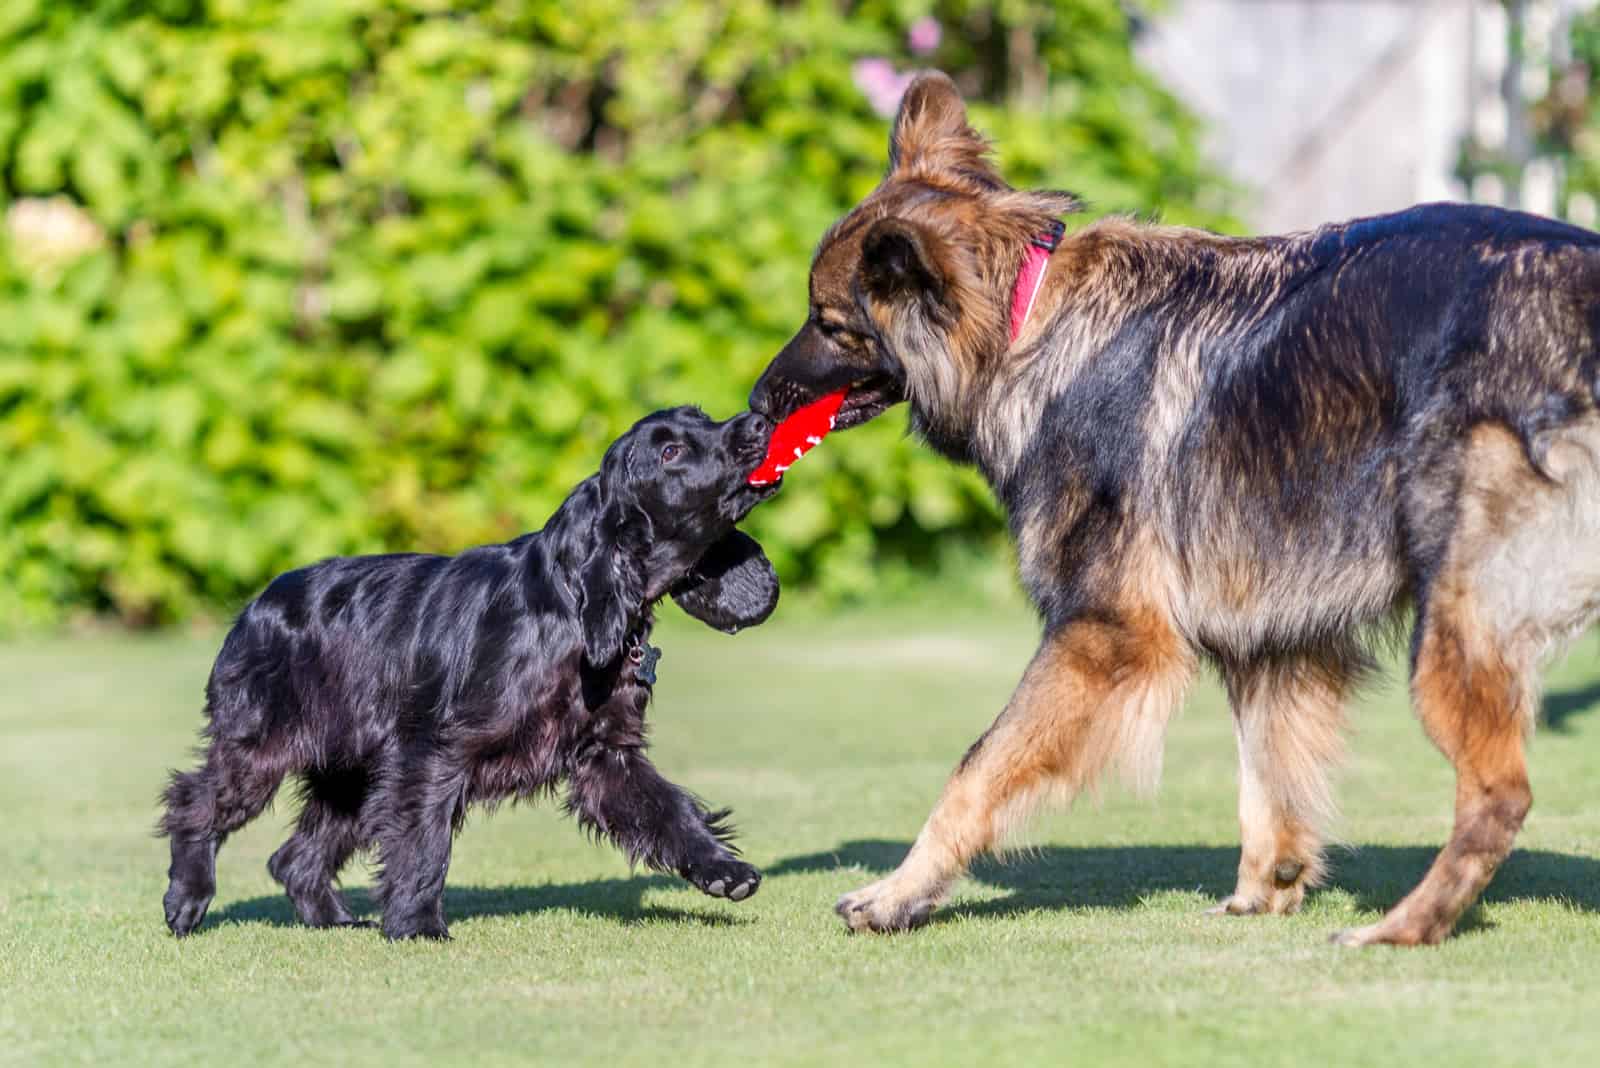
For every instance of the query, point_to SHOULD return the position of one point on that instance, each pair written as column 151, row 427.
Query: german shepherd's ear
column 899, row 261
column 931, row 132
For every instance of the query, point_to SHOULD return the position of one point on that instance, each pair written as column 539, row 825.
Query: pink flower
column 924, row 35
column 878, row 82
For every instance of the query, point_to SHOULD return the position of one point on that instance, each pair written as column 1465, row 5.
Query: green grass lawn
column 830, row 737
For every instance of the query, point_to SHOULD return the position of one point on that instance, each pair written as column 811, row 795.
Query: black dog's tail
column 187, row 806
column 232, row 785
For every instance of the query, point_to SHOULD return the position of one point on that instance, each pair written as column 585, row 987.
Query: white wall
column 1330, row 109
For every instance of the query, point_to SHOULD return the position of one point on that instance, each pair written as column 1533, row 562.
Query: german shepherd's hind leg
column 326, row 834
column 1095, row 693
column 1288, row 716
column 1476, row 708
column 1521, row 574
column 203, row 807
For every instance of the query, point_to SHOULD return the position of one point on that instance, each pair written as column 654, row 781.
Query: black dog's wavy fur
column 401, row 689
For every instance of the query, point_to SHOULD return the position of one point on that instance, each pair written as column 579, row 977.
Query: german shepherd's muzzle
column 1249, row 452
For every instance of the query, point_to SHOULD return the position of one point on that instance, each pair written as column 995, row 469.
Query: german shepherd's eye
column 831, row 330
column 670, row 453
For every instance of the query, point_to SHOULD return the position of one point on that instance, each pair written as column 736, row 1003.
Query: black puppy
column 403, row 688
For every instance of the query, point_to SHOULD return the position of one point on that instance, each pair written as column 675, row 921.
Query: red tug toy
column 796, row 436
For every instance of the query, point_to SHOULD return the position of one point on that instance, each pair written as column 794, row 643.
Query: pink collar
column 1031, row 277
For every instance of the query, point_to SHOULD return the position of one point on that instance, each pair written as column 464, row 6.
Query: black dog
column 403, row 688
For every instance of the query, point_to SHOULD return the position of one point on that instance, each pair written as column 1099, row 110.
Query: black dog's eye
column 671, row 452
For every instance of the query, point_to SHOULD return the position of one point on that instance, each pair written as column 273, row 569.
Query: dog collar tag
column 645, row 657
column 1031, row 276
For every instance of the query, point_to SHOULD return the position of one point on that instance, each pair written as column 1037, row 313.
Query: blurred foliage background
column 280, row 280
column 1566, row 119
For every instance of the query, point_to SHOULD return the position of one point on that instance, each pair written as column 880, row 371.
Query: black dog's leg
column 417, row 813
column 325, row 836
column 620, row 794
column 191, row 882
column 202, row 808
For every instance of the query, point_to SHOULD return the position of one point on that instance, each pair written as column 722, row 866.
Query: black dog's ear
column 605, row 615
column 613, row 587
column 732, row 587
column 899, row 261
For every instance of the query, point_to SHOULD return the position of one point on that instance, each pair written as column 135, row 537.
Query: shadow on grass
column 1052, row 877
column 1562, row 705
column 1118, row 877
column 618, row 899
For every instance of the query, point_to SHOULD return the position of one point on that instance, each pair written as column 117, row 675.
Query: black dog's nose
column 749, row 433
column 752, row 425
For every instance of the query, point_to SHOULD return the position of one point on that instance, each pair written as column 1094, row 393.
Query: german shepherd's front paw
column 884, row 908
column 1276, row 902
column 729, row 878
column 1386, row 933
column 1238, row 905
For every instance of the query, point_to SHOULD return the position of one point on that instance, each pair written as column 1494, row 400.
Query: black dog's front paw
column 732, row 879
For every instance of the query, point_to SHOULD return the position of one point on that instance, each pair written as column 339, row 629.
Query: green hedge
column 1565, row 120
column 287, row 279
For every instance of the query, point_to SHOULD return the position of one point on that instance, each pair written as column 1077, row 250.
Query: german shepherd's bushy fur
column 1252, row 452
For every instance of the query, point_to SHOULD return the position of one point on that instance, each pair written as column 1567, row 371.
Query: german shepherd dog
column 1257, row 453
